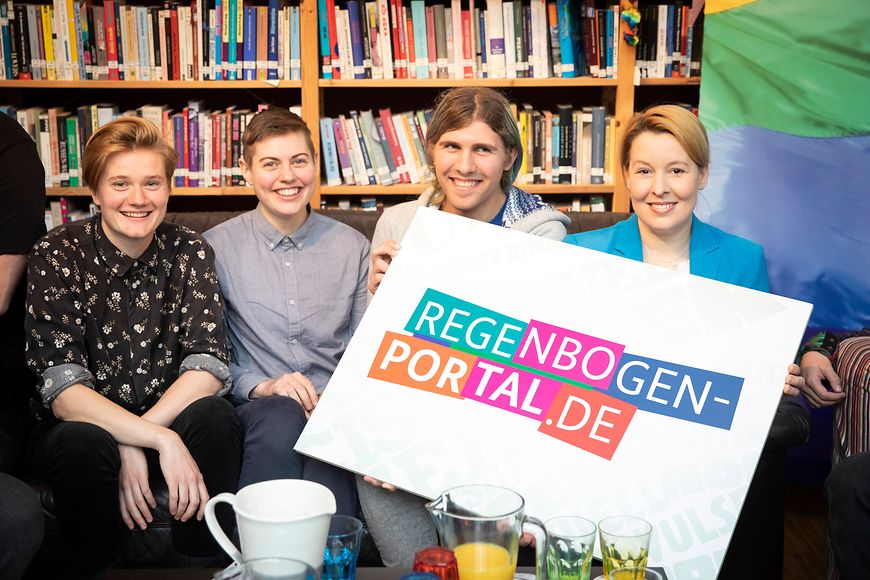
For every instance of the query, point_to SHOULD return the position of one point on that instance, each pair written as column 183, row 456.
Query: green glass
column 570, row 543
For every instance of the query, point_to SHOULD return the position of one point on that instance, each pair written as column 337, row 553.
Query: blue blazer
column 713, row 253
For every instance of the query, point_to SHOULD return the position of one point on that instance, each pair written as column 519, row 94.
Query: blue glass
column 339, row 563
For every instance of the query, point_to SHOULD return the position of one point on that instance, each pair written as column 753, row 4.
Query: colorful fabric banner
column 784, row 97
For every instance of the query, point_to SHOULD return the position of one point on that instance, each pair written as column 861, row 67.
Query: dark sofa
column 759, row 528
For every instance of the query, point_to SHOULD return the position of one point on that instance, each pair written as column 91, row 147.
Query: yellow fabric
column 714, row 6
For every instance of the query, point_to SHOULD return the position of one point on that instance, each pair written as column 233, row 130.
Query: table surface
column 207, row 573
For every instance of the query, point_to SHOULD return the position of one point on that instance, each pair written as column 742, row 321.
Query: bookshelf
column 318, row 97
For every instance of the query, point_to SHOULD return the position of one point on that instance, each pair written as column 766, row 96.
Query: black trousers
column 81, row 461
column 848, row 491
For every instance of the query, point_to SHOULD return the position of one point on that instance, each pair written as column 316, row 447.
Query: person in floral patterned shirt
column 126, row 333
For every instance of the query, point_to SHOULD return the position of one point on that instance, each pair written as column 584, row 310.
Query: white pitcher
column 287, row 518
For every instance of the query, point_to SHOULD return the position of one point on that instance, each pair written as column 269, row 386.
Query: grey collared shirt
column 292, row 302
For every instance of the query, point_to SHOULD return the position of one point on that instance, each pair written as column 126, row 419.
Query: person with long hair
column 474, row 153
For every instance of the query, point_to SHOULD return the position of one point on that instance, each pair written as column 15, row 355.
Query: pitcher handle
column 215, row 528
column 535, row 527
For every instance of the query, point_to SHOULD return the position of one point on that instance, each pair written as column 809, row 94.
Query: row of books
column 362, row 148
column 61, row 211
column 81, row 40
column 367, row 148
column 208, row 142
column 466, row 39
column 670, row 45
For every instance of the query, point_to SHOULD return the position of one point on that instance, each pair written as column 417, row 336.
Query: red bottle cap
column 437, row 560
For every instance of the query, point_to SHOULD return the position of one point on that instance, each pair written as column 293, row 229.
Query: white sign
column 591, row 384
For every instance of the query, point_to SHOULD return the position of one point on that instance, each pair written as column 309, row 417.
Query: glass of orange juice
column 482, row 524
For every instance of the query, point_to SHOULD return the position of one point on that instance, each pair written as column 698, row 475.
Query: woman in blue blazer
column 665, row 160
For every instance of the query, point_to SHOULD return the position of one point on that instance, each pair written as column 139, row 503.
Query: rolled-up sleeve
column 54, row 324
column 204, row 337
column 210, row 364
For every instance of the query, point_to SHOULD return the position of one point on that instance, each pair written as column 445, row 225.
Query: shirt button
column 271, row 245
column 292, row 302
column 294, row 341
column 288, row 264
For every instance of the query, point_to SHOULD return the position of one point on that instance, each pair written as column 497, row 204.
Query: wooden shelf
column 685, row 81
column 448, row 83
column 85, row 192
column 417, row 188
column 151, row 84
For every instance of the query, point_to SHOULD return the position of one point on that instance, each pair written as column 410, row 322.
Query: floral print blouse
column 124, row 327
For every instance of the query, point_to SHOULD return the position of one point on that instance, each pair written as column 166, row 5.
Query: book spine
column 272, row 53
column 333, row 39
column 597, row 169
column 249, row 55
column 384, row 40
column 392, row 139
column 343, row 153
column 232, row 35
column 323, row 32
column 441, row 60
column 467, row 46
column 373, row 145
column 385, row 146
column 401, row 65
column 496, row 59
column 421, row 45
column 403, row 135
column 262, row 32
column 363, row 148
column 356, row 41
column 431, row 44
column 293, row 45
column 330, row 155
column 193, row 145
column 554, row 40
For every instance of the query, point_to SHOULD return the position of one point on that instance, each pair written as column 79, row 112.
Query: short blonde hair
column 122, row 135
column 682, row 124
column 460, row 107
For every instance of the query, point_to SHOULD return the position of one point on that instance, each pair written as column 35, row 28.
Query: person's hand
column 381, row 258
column 816, row 369
column 794, row 382
column 527, row 539
column 187, row 492
column 293, row 385
column 134, row 492
column 378, row 483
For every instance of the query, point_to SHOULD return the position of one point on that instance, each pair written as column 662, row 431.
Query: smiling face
column 132, row 194
column 282, row 172
column 663, row 183
column 469, row 163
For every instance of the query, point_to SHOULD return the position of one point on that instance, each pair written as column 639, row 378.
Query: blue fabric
column 713, row 253
column 806, row 201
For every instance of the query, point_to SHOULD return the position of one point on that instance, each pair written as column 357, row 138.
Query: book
column 330, row 154
column 272, row 34
column 361, row 145
column 356, row 41
column 323, row 35
column 373, row 145
column 345, row 165
column 421, row 50
column 598, row 145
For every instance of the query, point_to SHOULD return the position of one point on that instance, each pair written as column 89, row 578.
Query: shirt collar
column 274, row 239
column 117, row 261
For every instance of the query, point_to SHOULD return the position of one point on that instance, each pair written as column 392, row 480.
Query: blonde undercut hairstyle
column 460, row 107
column 674, row 120
column 120, row 136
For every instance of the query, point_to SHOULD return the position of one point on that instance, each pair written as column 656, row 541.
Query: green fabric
column 795, row 66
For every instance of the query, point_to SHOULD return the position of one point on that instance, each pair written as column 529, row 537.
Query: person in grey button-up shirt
column 294, row 284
